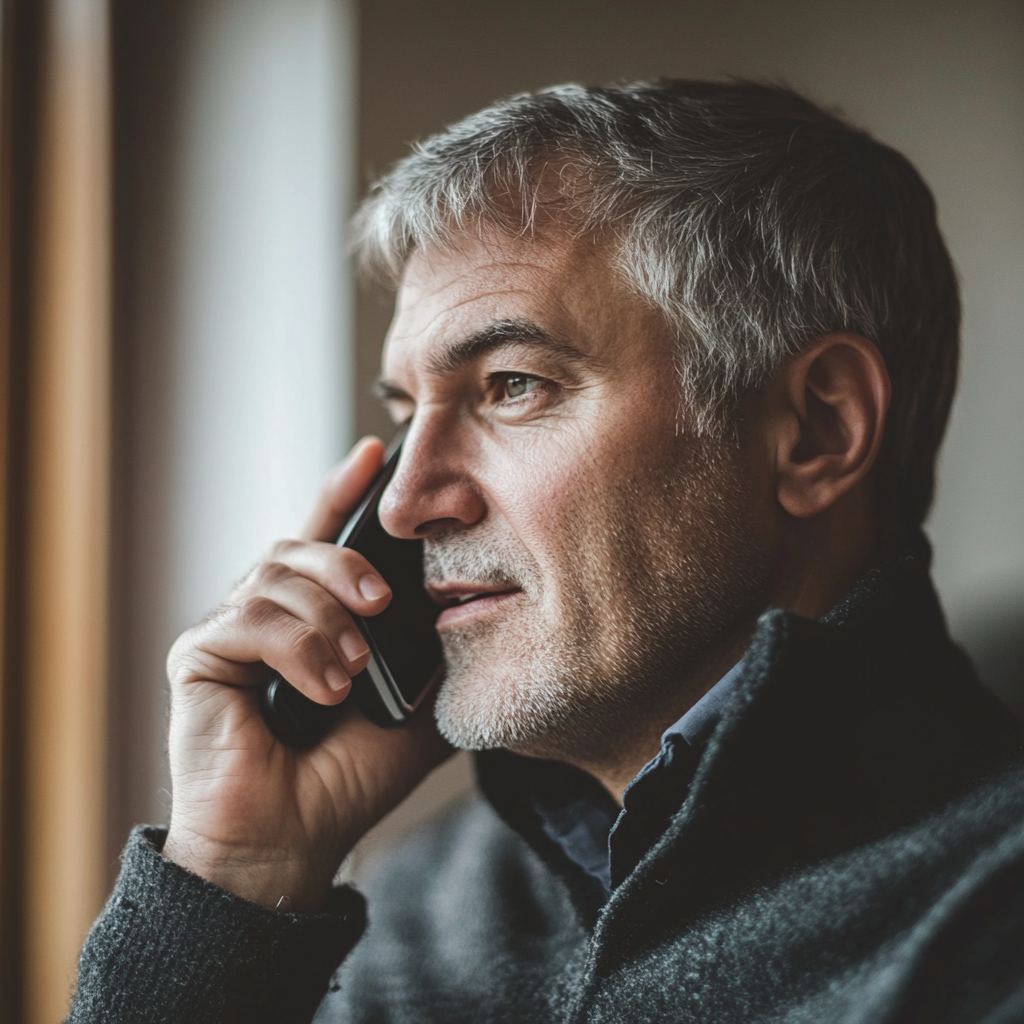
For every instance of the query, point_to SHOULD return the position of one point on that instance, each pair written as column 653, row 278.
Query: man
column 676, row 360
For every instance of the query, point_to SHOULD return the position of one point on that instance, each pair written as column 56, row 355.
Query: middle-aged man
column 676, row 360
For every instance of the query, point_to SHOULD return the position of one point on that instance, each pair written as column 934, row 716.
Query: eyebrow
column 496, row 335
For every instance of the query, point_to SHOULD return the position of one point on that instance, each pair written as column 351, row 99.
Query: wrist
column 275, row 880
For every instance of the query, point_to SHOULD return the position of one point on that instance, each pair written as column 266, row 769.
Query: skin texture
column 262, row 821
column 622, row 561
column 624, row 547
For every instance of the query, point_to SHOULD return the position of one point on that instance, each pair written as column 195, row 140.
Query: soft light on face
column 592, row 553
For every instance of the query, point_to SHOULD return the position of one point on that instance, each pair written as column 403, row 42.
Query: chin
column 492, row 701
column 476, row 711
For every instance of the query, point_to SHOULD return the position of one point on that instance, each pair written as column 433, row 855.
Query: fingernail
column 336, row 679
column 352, row 645
column 373, row 588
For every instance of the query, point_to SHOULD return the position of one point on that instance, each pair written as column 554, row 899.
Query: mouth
column 464, row 601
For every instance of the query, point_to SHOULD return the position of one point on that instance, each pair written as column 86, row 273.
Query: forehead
column 568, row 288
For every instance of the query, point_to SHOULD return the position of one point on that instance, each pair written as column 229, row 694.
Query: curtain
column 56, row 383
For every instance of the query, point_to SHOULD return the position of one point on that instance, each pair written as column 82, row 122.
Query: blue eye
column 519, row 384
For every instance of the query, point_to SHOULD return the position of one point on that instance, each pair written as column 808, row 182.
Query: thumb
column 342, row 489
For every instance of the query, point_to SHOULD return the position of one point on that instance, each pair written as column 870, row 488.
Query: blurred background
column 185, row 353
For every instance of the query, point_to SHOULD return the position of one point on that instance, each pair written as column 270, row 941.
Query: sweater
column 850, row 850
column 608, row 840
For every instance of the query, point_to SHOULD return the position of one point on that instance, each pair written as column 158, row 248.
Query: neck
column 816, row 562
column 616, row 774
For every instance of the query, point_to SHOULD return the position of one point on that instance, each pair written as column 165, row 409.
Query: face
column 593, row 557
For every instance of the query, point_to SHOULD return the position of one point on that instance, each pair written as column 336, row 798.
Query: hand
column 250, row 815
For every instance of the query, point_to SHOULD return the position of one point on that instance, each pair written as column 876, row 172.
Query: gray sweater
column 851, row 849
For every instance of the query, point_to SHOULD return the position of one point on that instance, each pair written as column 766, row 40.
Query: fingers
column 342, row 572
column 259, row 629
column 342, row 490
column 293, row 613
column 320, row 584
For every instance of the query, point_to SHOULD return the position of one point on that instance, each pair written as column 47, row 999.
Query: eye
column 514, row 385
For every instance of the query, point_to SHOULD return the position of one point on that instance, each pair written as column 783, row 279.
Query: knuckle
column 281, row 549
column 269, row 574
column 188, row 642
column 187, row 668
column 351, row 564
column 177, row 656
column 354, row 557
column 256, row 611
column 327, row 605
column 310, row 645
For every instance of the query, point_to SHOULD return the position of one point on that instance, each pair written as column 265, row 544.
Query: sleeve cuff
column 171, row 947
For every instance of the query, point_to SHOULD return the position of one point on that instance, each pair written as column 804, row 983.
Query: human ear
column 833, row 399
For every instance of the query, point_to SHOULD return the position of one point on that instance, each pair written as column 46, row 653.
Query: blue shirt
column 608, row 842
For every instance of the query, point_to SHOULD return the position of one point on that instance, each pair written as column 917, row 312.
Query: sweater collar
column 607, row 841
column 835, row 732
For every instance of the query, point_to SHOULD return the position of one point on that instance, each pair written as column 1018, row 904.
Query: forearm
column 170, row 946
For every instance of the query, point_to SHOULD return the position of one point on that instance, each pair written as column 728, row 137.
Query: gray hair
column 752, row 219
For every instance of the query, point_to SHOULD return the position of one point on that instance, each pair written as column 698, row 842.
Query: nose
column 433, row 488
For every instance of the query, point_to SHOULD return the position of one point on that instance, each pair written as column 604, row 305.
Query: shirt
column 607, row 841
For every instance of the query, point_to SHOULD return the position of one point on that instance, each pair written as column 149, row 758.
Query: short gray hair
column 752, row 219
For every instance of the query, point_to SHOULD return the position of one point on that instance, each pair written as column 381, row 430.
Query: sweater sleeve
column 170, row 947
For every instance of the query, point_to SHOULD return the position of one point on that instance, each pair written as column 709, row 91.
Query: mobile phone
column 405, row 651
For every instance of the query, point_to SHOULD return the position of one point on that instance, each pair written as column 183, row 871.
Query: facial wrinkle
column 648, row 585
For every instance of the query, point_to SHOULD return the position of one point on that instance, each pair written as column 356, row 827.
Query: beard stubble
column 654, row 576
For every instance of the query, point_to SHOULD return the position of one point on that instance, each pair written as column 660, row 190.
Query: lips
column 449, row 595
column 463, row 601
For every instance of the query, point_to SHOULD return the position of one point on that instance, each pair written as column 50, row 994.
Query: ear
column 831, row 402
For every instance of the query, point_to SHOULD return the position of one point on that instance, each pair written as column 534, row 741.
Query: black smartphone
column 405, row 650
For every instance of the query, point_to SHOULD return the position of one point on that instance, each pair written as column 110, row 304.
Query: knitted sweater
column 851, row 849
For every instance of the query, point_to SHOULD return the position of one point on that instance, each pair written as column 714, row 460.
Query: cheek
column 565, row 505
column 548, row 496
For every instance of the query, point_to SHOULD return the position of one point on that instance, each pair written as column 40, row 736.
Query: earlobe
column 835, row 396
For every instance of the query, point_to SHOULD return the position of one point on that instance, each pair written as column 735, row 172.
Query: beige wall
column 942, row 81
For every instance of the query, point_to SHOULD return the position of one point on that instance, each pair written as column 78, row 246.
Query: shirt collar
column 696, row 725
column 606, row 842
